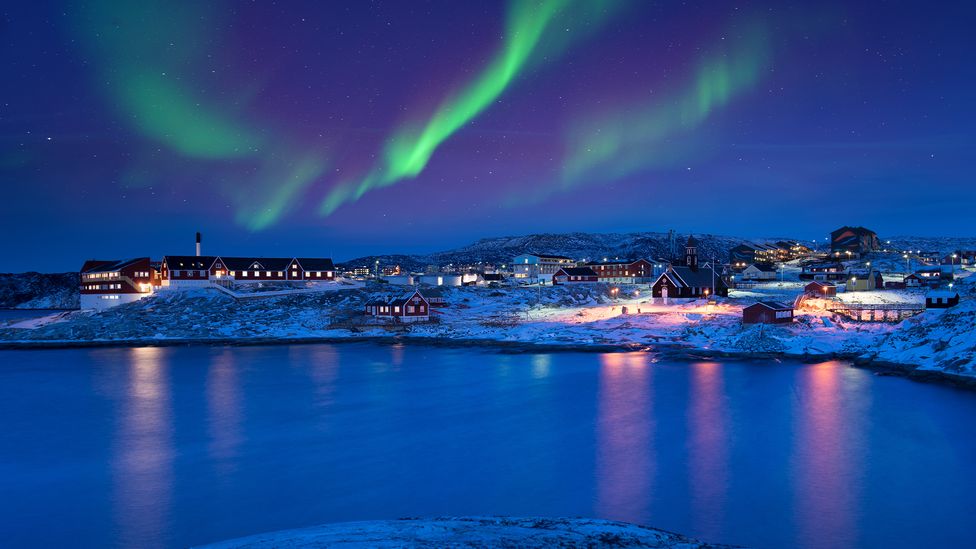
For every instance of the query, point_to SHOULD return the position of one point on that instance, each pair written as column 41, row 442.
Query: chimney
column 198, row 244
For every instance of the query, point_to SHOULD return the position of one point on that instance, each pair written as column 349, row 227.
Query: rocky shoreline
column 671, row 351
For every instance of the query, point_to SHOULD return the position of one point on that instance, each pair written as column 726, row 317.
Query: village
column 853, row 275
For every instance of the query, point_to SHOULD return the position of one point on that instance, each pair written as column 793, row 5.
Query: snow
column 470, row 532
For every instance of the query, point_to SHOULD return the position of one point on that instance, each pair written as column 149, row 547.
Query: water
column 179, row 446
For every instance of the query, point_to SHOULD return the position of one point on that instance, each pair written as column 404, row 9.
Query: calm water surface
column 178, row 446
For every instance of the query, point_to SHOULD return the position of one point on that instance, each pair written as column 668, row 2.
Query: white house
column 537, row 267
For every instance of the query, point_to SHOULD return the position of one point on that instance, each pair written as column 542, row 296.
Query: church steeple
column 691, row 253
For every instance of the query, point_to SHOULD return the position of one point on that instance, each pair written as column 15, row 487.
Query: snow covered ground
column 572, row 317
column 470, row 532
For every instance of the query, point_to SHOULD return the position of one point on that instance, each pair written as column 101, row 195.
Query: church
column 686, row 279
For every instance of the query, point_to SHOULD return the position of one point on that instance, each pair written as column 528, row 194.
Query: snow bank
column 471, row 532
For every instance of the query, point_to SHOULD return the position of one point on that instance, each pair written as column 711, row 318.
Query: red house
column 767, row 312
column 819, row 288
column 410, row 307
column 187, row 270
column 108, row 283
column 575, row 275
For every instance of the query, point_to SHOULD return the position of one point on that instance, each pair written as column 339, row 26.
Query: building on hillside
column 767, row 312
column 316, row 269
column 575, row 275
column 640, row 271
column 819, row 288
column 961, row 258
column 933, row 276
column 823, row 271
column 941, row 299
column 864, row 280
column 758, row 272
column 688, row 280
column 914, row 281
column 106, row 284
column 493, row 279
column 189, row 270
column 538, row 267
column 742, row 256
column 853, row 241
column 409, row 307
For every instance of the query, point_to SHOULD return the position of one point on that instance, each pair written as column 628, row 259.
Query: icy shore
column 471, row 532
column 937, row 342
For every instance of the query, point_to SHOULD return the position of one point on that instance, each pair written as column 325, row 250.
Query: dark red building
column 767, row 312
column 575, row 275
column 819, row 288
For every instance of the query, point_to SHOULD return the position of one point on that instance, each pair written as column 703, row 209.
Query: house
column 409, row 307
column 759, row 271
column 401, row 279
column 960, row 258
column 823, row 271
column 853, row 241
column 317, row 269
column 819, row 288
column 623, row 272
column 493, row 279
column 189, row 270
column 538, row 267
column 862, row 281
column 687, row 280
column 109, row 283
column 767, row 312
column 941, row 299
column 575, row 275
column 914, row 281
column 933, row 276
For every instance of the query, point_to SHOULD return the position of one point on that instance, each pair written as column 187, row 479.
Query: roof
column 316, row 263
column 96, row 266
column 189, row 261
column 702, row 278
column 822, row 283
column 774, row 305
column 691, row 242
column 578, row 271
column 256, row 263
column 942, row 293
column 855, row 230
column 764, row 267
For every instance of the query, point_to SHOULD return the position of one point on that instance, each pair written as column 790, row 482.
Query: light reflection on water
column 181, row 446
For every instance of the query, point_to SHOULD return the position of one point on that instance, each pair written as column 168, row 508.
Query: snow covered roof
column 764, row 267
column 316, row 263
column 774, row 305
column 686, row 277
column 943, row 293
column 96, row 266
column 578, row 271
column 189, row 261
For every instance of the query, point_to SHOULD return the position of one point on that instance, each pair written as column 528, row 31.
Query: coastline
column 672, row 351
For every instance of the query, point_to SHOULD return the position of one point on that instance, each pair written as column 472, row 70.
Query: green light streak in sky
column 528, row 24
column 290, row 182
column 636, row 137
column 150, row 54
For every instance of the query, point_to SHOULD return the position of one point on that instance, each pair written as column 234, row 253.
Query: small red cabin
column 767, row 312
column 410, row 307
column 819, row 288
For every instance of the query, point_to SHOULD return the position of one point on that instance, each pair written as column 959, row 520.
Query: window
column 396, row 309
column 410, row 309
column 268, row 274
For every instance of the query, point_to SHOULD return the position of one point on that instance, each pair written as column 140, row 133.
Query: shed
column 767, row 312
column 819, row 288
column 941, row 299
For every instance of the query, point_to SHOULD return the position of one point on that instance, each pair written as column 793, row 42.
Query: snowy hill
column 39, row 291
column 590, row 246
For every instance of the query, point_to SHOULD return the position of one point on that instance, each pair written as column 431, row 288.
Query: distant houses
column 767, row 312
column 640, row 271
column 830, row 271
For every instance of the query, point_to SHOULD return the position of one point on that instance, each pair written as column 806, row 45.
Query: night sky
column 348, row 128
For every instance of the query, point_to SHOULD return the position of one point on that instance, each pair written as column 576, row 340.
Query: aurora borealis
column 351, row 128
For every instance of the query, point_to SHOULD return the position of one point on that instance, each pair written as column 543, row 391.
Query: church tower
column 691, row 253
